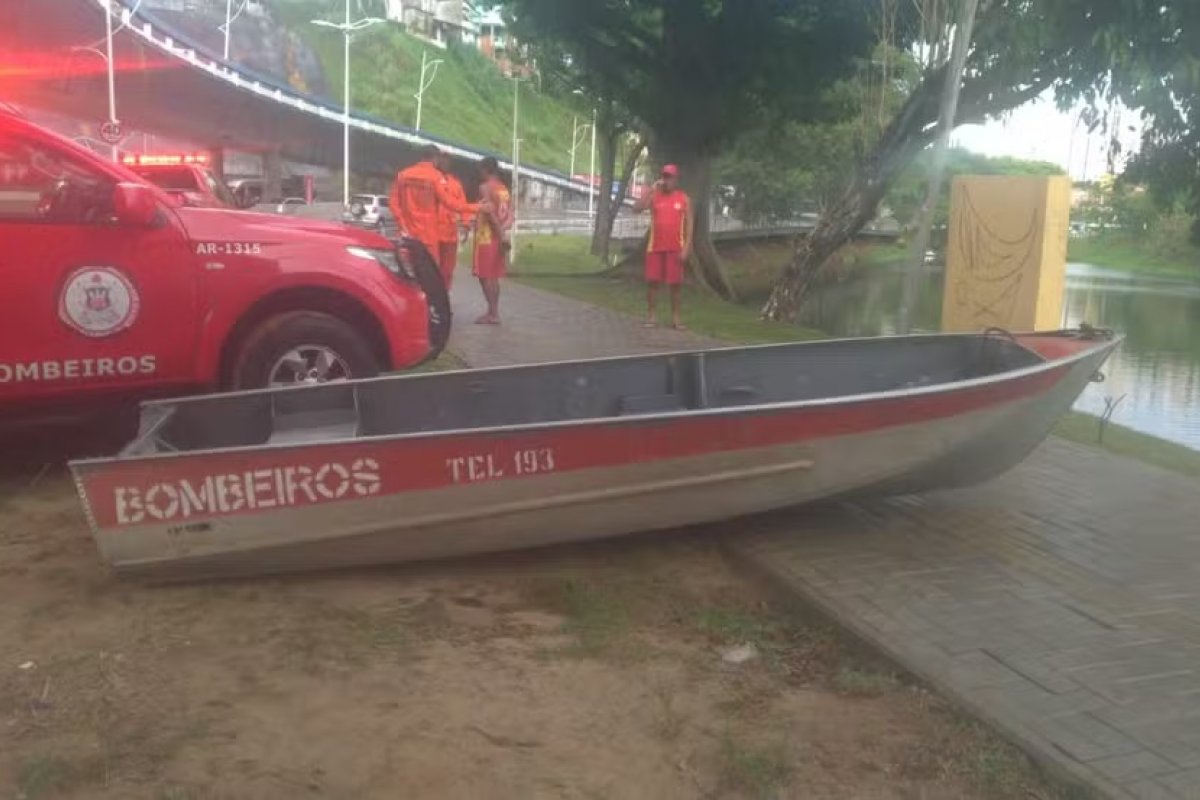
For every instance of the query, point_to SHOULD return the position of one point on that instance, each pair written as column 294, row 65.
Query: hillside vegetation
column 470, row 103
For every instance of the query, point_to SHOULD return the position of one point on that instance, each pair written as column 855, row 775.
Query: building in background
column 439, row 22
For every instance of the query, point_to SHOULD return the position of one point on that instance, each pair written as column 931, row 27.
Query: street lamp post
column 576, row 140
column 592, row 189
column 592, row 173
column 516, row 166
column 424, row 83
column 348, row 29
column 112, row 77
column 230, row 16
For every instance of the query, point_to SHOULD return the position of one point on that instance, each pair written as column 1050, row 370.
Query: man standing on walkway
column 418, row 199
column 670, row 242
column 450, row 221
column 492, row 238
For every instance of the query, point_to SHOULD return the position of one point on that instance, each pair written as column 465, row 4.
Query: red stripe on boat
column 185, row 488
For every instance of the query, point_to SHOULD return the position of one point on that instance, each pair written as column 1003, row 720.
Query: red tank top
column 667, row 213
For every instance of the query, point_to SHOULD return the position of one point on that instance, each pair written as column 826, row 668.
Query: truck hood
column 228, row 225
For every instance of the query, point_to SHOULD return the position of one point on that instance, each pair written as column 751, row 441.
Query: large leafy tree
column 1090, row 49
column 698, row 73
column 1168, row 93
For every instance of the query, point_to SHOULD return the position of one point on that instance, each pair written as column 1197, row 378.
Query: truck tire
column 303, row 347
column 430, row 279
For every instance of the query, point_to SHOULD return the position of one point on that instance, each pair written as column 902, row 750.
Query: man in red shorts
column 449, row 221
column 670, row 242
column 491, row 238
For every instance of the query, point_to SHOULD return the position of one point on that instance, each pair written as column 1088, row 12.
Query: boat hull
column 374, row 501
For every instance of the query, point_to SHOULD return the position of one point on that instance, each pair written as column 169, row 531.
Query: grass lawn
column 1141, row 254
column 1082, row 428
column 471, row 101
column 562, row 264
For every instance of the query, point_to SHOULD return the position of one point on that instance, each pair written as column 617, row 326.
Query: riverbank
column 1084, row 429
column 1145, row 254
column 561, row 264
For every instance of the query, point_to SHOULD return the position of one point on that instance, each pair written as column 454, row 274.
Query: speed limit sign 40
column 112, row 132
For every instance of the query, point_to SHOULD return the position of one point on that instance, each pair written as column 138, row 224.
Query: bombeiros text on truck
column 116, row 288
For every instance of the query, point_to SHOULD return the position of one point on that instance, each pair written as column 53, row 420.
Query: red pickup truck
column 110, row 288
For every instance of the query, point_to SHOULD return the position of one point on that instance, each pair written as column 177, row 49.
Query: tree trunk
column 631, row 161
column 858, row 203
column 949, row 110
column 607, row 142
column 909, row 132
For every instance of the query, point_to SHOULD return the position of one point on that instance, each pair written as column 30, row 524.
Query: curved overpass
column 170, row 85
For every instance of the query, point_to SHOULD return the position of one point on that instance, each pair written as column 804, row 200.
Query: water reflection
column 1156, row 371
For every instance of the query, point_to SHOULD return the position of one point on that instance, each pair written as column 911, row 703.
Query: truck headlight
column 384, row 258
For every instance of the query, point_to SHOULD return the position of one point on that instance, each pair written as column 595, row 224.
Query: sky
column 1038, row 130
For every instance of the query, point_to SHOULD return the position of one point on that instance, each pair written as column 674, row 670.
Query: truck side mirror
column 135, row 205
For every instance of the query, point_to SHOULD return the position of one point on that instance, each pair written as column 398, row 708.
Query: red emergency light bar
column 159, row 160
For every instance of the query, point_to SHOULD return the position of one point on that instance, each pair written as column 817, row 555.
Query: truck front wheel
column 303, row 348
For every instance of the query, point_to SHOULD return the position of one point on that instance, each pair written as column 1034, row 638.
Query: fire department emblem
column 98, row 301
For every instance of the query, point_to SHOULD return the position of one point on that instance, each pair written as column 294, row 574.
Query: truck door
column 88, row 306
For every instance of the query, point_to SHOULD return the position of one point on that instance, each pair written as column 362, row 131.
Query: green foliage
column 908, row 192
column 1163, row 249
column 1085, row 429
column 701, row 73
column 470, row 101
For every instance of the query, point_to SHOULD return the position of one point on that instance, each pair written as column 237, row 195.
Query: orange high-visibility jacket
column 417, row 200
column 450, row 219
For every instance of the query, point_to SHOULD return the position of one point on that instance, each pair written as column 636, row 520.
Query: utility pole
column 963, row 31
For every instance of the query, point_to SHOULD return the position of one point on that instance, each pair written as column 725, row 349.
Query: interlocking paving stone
column 1060, row 601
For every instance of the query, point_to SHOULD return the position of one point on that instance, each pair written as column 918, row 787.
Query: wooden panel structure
column 1006, row 253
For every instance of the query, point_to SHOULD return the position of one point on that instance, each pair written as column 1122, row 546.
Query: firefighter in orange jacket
column 419, row 198
column 451, row 222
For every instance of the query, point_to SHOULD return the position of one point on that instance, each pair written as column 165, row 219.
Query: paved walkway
column 542, row 326
column 1061, row 601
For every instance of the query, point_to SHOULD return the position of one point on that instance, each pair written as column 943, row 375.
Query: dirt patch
column 640, row 668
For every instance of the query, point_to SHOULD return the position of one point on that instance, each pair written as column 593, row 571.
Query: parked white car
column 368, row 211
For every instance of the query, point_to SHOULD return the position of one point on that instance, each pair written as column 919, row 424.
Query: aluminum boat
column 429, row 466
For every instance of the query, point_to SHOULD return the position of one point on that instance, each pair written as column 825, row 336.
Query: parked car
column 289, row 205
column 115, row 290
column 368, row 211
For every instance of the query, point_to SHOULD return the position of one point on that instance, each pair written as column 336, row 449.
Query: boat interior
column 602, row 388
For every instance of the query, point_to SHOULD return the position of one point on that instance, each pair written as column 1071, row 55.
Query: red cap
column 671, row 169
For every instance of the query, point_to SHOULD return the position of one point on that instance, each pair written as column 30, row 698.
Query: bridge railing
column 163, row 37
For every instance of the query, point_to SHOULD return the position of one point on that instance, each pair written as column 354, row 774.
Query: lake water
column 1155, row 374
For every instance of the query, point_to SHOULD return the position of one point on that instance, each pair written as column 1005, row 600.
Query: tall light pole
column 112, row 76
column 593, row 188
column 516, row 166
column 576, row 140
column 348, row 29
column 424, row 83
column 230, row 16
